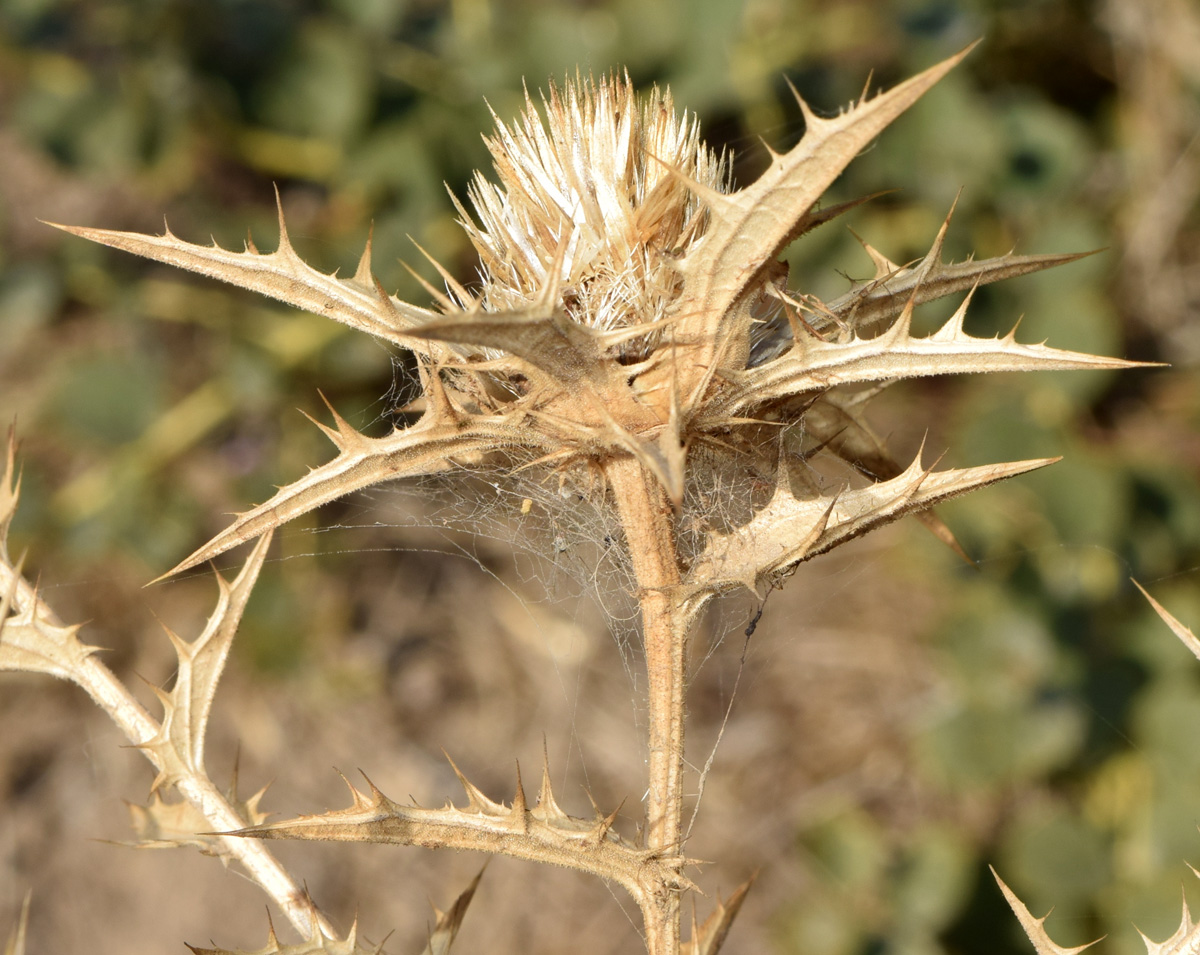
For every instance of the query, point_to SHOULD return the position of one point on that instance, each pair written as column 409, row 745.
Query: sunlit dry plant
column 635, row 340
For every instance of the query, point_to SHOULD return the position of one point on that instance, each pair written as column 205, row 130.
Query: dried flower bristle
column 598, row 191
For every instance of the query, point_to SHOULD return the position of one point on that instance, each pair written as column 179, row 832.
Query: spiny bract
column 633, row 308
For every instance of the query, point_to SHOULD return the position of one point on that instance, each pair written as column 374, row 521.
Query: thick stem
column 647, row 521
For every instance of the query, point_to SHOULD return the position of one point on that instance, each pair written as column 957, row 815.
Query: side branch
column 543, row 833
column 32, row 638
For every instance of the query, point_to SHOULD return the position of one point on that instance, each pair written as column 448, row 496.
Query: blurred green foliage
column 151, row 403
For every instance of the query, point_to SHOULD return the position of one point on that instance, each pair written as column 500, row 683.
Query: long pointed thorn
column 439, row 403
column 818, row 217
column 378, row 799
column 363, row 274
column 10, row 487
column 933, row 257
column 476, row 800
column 1034, row 927
column 604, row 825
column 901, row 328
column 941, row 530
column 356, row 797
column 468, row 301
column 884, row 266
column 1012, row 332
column 347, row 434
column 954, row 326
column 866, row 91
column 285, row 243
column 386, row 301
column 444, row 300
column 810, row 118
column 1184, row 633
column 330, row 433
column 9, row 597
column 520, row 805
column 546, row 803
column 716, row 927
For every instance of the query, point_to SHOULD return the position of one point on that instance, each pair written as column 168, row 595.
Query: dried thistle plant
column 636, row 341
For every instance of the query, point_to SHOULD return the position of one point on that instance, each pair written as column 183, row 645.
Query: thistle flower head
column 621, row 315
column 599, row 192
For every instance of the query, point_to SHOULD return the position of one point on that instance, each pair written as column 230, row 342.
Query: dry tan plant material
column 637, row 342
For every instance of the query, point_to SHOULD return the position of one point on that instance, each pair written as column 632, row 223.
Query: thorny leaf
column 837, row 424
column 541, row 833
column 31, row 637
column 30, row 642
column 791, row 529
column 813, row 364
column 427, row 447
column 449, row 922
column 750, row 228
column 282, row 275
column 1184, row 941
column 179, row 744
column 893, row 288
column 567, row 351
column 170, row 825
column 1033, row 927
column 884, row 297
